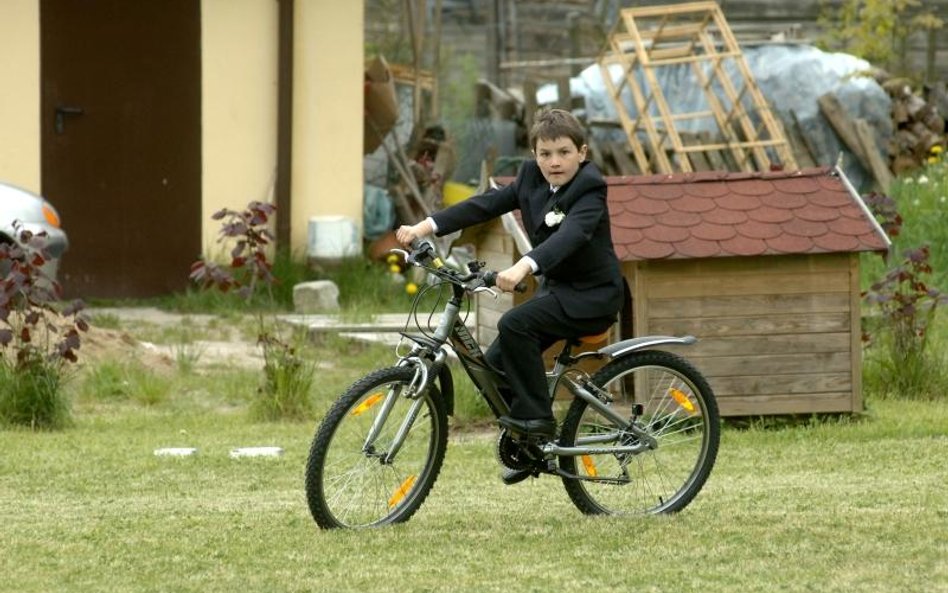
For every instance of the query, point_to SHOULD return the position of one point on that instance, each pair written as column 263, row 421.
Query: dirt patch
column 101, row 344
column 105, row 345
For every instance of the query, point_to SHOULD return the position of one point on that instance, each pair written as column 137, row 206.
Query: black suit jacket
column 576, row 256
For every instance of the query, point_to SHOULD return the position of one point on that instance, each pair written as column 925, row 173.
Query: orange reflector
column 401, row 491
column 50, row 215
column 590, row 466
column 371, row 401
column 682, row 399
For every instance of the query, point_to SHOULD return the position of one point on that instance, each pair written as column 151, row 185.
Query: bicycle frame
column 429, row 354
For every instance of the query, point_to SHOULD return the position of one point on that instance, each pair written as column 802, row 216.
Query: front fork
column 415, row 391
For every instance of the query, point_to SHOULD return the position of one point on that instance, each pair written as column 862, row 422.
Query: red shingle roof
column 722, row 214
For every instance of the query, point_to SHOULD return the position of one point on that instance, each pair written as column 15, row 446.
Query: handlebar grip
column 490, row 279
column 424, row 251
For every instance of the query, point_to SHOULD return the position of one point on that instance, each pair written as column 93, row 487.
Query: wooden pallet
column 749, row 136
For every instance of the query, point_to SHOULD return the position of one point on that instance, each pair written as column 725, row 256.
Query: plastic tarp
column 791, row 77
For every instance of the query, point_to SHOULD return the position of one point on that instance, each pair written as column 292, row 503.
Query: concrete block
column 317, row 296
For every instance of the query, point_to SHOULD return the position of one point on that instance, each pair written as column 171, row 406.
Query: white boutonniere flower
column 554, row 217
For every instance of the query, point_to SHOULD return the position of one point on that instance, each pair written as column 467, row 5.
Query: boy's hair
column 550, row 124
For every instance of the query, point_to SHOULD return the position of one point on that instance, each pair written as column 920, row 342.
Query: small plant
column 250, row 265
column 907, row 304
column 285, row 390
column 37, row 341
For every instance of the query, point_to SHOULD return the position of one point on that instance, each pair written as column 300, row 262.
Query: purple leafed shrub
column 287, row 377
column 37, row 337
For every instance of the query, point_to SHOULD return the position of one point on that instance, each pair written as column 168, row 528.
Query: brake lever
column 491, row 291
column 400, row 252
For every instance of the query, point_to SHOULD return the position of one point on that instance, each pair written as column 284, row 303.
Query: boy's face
column 559, row 159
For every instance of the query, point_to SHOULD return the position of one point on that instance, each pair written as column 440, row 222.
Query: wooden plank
column 754, row 346
column 799, row 146
column 529, row 102
column 843, row 125
column 735, row 97
column 489, row 316
column 778, row 323
column 810, row 150
column 751, row 385
column 675, row 31
column 661, row 163
column 486, row 335
column 749, row 305
column 787, row 364
column 564, row 96
column 623, row 162
column 496, row 261
column 878, row 167
column 728, row 285
column 495, row 242
column 699, row 161
column 750, row 265
column 785, row 404
column 856, row 333
column 599, row 156
column 669, row 9
column 714, row 157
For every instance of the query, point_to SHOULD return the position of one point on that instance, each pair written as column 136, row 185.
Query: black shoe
column 514, row 476
column 540, row 427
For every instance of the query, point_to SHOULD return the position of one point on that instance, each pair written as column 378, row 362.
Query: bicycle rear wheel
column 670, row 400
column 350, row 484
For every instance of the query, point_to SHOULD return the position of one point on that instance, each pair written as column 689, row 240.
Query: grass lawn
column 852, row 505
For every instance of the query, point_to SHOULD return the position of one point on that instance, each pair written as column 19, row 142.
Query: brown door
column 121, row 152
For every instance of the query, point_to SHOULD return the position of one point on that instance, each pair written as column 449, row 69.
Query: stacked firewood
column 919, row 124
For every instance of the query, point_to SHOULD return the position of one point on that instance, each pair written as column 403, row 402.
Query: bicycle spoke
column 348, row 486
column 679, row 419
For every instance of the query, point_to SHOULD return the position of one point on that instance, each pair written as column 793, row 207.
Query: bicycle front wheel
column 673, row 406
column 353, row 480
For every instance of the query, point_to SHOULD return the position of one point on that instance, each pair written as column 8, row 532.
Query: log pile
column 919, row 124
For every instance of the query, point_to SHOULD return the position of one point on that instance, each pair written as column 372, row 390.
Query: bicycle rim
column 676, row 408
column 348, row 486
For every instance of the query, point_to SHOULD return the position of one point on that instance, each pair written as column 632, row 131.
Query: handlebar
column 422, row 254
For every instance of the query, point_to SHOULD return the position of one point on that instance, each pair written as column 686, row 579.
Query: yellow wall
column 20, row 94
column 327, row 112
column 238, row 105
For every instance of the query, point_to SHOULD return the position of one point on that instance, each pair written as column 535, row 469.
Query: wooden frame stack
column 749, row 135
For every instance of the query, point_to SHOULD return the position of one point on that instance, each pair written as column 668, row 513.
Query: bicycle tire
column 678, row 410
column 347, row 487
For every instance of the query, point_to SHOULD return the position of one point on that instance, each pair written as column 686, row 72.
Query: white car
column 34, row 214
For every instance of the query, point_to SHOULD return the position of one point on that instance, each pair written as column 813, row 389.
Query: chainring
column 512, row 453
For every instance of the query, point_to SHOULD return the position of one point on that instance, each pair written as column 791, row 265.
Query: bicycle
column 640, row 435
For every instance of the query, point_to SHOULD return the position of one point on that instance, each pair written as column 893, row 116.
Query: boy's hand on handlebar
column 508, row 279
column 408, row 233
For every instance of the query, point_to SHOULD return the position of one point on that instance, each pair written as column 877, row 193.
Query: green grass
column 829, row 506
column 826, row 504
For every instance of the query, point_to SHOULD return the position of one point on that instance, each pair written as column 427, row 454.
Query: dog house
column 763, row 268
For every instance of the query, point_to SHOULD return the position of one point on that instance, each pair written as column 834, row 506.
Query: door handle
column 59, row 123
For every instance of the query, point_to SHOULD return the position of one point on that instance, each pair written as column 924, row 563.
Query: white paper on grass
column 175, row 451
column 256, row 452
